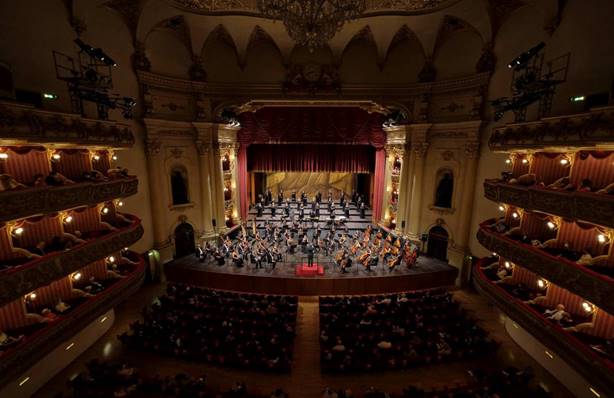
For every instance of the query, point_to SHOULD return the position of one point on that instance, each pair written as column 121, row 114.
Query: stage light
column 542, row 283
column 68, row 219
column 526, row 56
column 551, row 225
column 4, row 156
column 56, row 157
column 577, row 98
column 588, row 307
column 76, row 276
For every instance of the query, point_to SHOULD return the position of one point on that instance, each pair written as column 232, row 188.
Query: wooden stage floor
column 427, row 273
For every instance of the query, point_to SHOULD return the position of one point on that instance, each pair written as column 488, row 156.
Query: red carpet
column 305, row 270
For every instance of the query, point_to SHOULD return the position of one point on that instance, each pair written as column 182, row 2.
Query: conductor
column 310, row 250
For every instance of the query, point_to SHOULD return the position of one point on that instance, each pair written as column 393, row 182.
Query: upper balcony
column 579, row 338
column 595, row 208
column 590, row 130
column 552, row 263
column 32, row 335
column 24, row 124
column 27, row 266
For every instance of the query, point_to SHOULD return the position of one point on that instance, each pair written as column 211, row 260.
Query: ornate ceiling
column 374, row 7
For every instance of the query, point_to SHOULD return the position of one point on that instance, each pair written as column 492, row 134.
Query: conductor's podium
column 306, row 270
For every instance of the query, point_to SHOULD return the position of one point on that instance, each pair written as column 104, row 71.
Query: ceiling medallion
column 312, row 23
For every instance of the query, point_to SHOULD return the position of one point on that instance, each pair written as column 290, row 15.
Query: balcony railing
column 579, row 279
column 594, row 368
column 26, row 124
column 585, row 130
column 585, row 206
column 34, row 347
column 17, row 281
column 21, row 203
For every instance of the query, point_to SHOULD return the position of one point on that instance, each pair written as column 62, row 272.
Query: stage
column 427, row 273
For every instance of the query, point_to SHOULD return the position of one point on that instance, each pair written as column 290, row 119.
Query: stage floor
column 427, row 273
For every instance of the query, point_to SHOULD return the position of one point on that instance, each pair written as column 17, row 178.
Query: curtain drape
column 378, row 184
column 243, row 197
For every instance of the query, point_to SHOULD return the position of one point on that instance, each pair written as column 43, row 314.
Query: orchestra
column 272, row 241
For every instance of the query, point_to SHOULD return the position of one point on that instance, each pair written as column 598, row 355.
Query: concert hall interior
column 307, row 198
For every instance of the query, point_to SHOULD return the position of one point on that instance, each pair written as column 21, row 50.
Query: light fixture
column 508, row 265
column 501, row 208
column 96, row 157
column 56, row 157
column 312, row 23
column 551, row 225
column 549, row 354
column 595, row 393
column 564, row 161
column 525, row 161
column 4, row 155
column 50, row 96
column 105, row 210
column 18, row 231
column 32, row 296
column 103, row 319
column 111, row 259
column 515, row 214
column 126, row 249
column 588, row 307
column 76, row 276
column 114, row 157
column 602, row 238
column 577, row 98
column 508, row 161
column 24, row 381
column 542, row 283
column 68, row 219
column 68, row 347
column 120, row 203
column 495, row 254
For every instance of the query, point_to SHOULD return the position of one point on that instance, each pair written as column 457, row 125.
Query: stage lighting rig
column 89, row 78
column 394, row 118
column 532, row 82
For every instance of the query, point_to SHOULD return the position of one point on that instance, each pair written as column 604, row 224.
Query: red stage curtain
column 378, row 189
column 311, row 158
column 243, row 199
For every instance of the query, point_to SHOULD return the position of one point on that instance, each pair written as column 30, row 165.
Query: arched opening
column 179, row 186
column 445, row 189
column 438, row 243
column 184, row 240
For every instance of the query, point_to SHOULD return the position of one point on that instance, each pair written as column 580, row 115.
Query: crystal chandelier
column 312, row 23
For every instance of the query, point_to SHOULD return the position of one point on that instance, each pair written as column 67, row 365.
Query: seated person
column 608, row 190
column 525, row 179
column 93, row 287
column 558, row 314
column 61, row 307
column 117, row 172
column 586, row 186
column 562, row 183
column 93, row 176
column 49, row 315
column 56, row 179
column 6, row 340
column 39, row 181
column 7, row 183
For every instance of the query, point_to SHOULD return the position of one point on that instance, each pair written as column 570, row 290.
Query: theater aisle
column 306, row 361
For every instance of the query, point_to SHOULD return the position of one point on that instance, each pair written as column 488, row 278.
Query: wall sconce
column 495, row 254
column 508, row 265
column 564, row 161
column 56, row 157
column 110, row 259
column 31, row 296
column 114, row 157
column 76, row 276
column 551, row 225
column 18, row 231
column 603, row 237
column 501, row 207
column 588, row 307
column 68, row 219
column 515, row 215
column 508, row 161
column 231, row 156
column 105, row 210
column 524, row 161
column 542, row 283
column 4, row 156
column 120, row 203
column 96, row 157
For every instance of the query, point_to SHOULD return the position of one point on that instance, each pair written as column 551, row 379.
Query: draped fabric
column 13, row 315
column 73, row 163
column 86, row 219
column 519, row 168
column 97, row 269
column 312, row 124
column 48, row 296
column 23, row 164
column 603, row 325
column 524, row 276
column 557, row 295
column 6, row 246
column 580, row 238
column 548, row 168
column 534, row 225
column 310, row 158
column 38, row 230
column 243, row 197
column 103, row 164
column 597, row 168
column 379, row 182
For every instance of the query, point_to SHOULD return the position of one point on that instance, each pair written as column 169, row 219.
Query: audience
column 398, row 331
column 222, row 328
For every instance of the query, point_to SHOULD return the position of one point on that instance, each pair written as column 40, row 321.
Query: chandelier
column 312, row 23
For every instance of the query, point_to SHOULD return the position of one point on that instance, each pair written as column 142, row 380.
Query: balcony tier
column 584, row 206
column 21, row 124
column 22, row 279
column 21, row 203
column 34, row 347
column 579, row 279
column 597, row 370
column 594, row 129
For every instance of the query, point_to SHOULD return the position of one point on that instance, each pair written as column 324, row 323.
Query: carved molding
column 44, row 270
column 585, row 206
column 17, row 361
column 23, row 123
column 16, row 204
column 585, row 130
column 575, row 278
column 583, row 360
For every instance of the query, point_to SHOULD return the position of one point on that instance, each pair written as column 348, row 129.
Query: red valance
column 311, row 158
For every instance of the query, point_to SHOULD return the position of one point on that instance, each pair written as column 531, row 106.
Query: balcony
column 22, row 279
column 597, row 369
column 21, row 124
column 20, row 203
column 576, row 278
column 594, row 208
column 590, row 130
column 35, row 346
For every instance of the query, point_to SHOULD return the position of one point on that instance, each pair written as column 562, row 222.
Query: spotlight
column 526, row 56
column 96, row 53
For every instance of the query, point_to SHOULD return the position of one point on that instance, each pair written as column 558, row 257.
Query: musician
column 218, row 256
column 200, row 254
column 310, row 251
column 301, row 212
column 287, row 208
column 330, row 203
column 291, row 243
column 342, row 240
column 346, row 211
column 304, row 242
column 304, row 198
column 280, row 197
column 237, row 259
column 330, row 195
column 268, row 198
column 342, row 199
column 258, row 256
column 273, row 209
column 259, row 209
column 293, row 196
column 362, row 210
column 354, row 197
column 319, row 197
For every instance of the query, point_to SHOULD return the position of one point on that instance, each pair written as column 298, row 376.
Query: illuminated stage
column 427, row 273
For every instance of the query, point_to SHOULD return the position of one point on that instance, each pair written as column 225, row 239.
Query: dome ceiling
column 374, row 7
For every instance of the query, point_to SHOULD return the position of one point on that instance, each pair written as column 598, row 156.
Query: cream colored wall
column 168, row 54
column 586, row 32
column 458, row 54
column 32, row 29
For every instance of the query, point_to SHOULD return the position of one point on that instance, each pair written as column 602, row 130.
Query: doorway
column 438, row 243
column 184, row 240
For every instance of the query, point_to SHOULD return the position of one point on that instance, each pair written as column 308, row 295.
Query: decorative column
column 472, row 151
column 404, row 190
column 217, row 189
column 390, row 206
column 419, row 149
column 156, row 191
column 204, row 153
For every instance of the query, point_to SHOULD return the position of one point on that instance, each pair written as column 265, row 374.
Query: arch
column 444, row 188
column 221, row 34
column 360, row 48
column 363, row 35
column 437, row 243
column 184, row 240
column 404, row 34
column 220, row 56
column 458, row 48
column 163, row 50
column 179, row 181
column 263, row 60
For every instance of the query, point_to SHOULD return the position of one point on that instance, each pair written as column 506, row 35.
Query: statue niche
column 445, row 189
